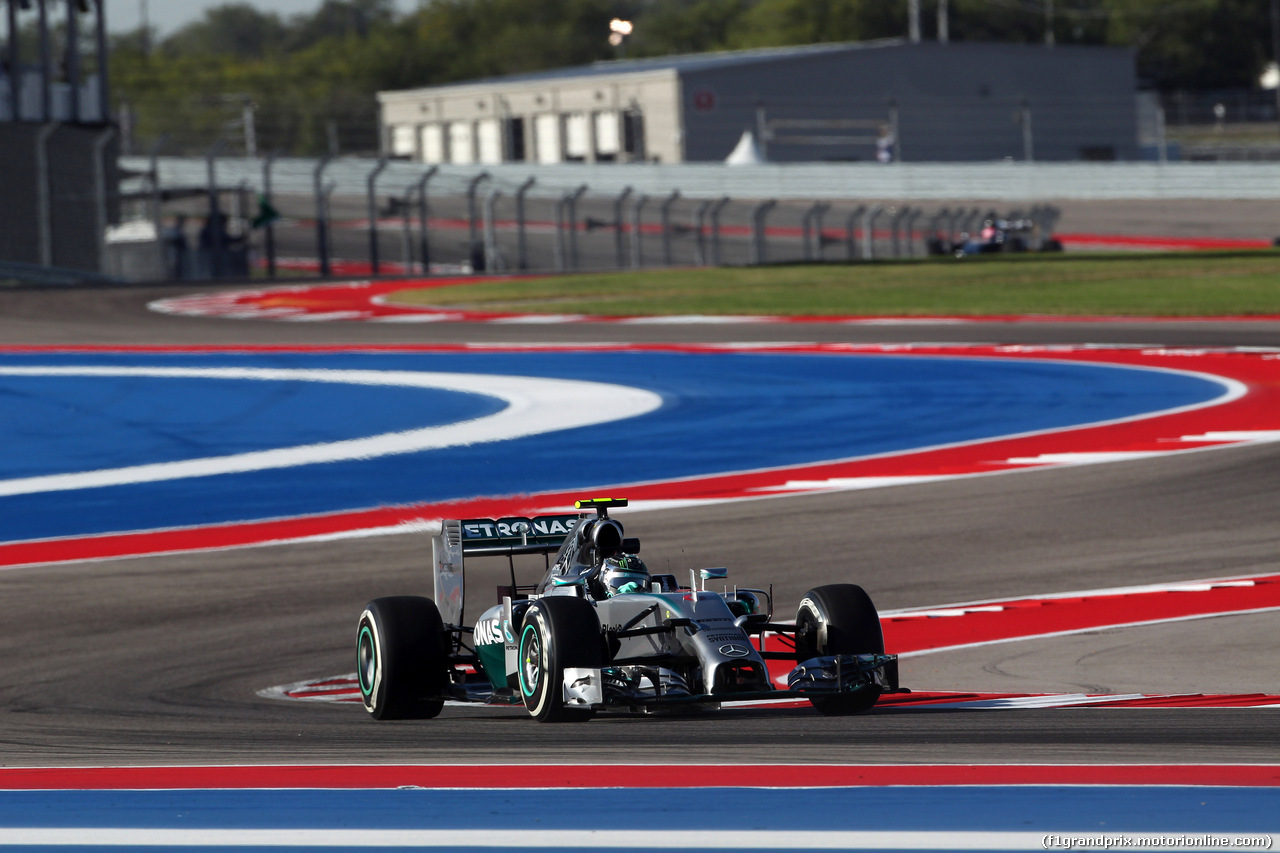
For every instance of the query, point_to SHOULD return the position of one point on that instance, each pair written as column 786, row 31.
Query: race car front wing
column 825, row 675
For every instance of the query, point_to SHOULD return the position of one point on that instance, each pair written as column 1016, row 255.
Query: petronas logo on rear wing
column 540, row 530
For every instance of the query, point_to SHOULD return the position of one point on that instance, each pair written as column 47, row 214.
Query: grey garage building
column 833, row 102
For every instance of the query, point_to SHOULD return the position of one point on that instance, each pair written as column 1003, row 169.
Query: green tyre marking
column 366, row 636
column 524, row 661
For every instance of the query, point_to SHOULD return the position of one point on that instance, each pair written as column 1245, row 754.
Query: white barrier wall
column 1012, row 182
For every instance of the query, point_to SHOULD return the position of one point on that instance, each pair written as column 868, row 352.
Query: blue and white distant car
column 601, row 632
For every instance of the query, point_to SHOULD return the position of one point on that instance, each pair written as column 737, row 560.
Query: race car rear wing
column 487, row 537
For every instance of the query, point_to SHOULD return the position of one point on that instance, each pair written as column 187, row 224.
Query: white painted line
column 1086, row 630
column 842, row 484
column 331, row 315
column 539, row 319
column 1085, row 458
column 695, row 319
column 534, row 405
column 617, row 839
column 1145, row 589
column 418, row 318
column 1252, row 436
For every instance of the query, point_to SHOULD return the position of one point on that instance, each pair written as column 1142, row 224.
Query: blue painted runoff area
column 735, row 812
column 721, row 412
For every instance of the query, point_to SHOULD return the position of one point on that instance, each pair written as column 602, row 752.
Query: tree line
column 307, row 82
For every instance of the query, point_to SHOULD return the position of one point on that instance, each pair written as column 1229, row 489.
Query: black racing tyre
column 839, row 619
column 401, row 658
column 559, row 632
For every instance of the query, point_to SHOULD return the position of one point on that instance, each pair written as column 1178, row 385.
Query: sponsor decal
column 514, row 530
column 733, row 650
column 489, row 632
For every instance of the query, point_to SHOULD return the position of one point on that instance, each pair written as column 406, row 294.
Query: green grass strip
column 1172, row 284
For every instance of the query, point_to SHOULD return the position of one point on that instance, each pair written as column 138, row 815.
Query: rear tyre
column 559, row 632
column 839, row 619
column 401, row 658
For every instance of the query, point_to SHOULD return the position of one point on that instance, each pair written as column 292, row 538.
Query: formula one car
column 600, row 632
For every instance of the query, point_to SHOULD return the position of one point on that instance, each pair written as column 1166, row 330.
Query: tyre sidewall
column 410, row 666
column 568, row 634
column 537, row 697
column 844, row 621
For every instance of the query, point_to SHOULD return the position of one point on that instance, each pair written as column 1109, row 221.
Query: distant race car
column 600, row 632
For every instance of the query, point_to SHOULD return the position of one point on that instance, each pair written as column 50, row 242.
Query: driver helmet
column 624, row 574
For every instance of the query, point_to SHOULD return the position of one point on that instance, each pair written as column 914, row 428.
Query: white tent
column 746, row 152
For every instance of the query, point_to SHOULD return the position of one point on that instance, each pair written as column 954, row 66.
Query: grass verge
column 1172, row 284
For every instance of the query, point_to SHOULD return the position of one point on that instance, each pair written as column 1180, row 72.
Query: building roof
column 679, row 63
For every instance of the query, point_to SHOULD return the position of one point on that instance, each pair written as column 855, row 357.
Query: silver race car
column 602, row 632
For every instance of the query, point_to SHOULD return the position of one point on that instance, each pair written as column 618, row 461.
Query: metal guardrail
column 1005, row 181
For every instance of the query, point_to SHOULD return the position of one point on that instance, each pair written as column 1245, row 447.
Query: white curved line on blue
column 535, row 405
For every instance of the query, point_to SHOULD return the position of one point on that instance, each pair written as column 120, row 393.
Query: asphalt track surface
column 158, row 660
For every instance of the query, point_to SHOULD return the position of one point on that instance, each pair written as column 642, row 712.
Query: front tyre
column 558, row 633
column 839, row 619
column 401, row 661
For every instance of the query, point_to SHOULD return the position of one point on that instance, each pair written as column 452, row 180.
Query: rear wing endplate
column 487, row 537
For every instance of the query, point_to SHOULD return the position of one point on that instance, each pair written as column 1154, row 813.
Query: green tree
column 235, row 29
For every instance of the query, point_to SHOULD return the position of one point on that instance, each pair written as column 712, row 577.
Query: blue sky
column 169, row 15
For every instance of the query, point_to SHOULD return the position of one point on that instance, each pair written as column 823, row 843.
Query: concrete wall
column 74, row 234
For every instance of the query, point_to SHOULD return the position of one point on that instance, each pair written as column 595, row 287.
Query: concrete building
column 888, row 100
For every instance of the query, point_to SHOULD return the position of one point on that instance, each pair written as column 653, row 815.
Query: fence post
column 715, row 230
column 1162, row 141
column 757, row 230
column 953, row 227
column 371, row 196
column 699, row 244
column 522, row 246
column 637, row 248
column 817, row 221
column 1025, row 118
column 269, row 232
column 153, row 157
column 850, row 226
column 571, row 202
column 559, row 231
column 912, row 216
column 214, row 224
column 804, row 233
column 895, row 225
column 974, row 217
column 869, row 232
column 935, row 227
column 812, row 224
column 473, row 232
column 322, row 214
column 617, row 226
column 100, row 190
column 492, row 258
column 423, row 243
column 44, row 195
column 406, row 228
column 666, row 226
